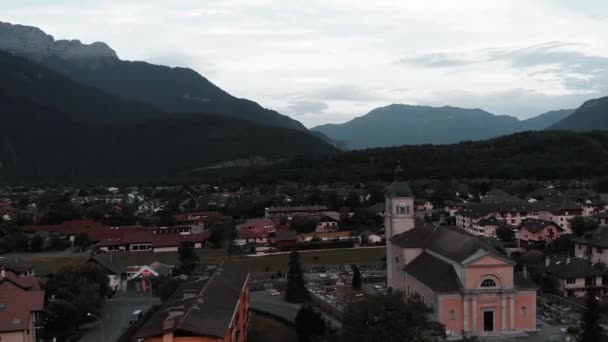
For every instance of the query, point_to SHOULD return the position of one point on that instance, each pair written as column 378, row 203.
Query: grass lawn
column 272, row 263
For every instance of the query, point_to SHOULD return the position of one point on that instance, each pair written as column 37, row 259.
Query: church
column 471, row 288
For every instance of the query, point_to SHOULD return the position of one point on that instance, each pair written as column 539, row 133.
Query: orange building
column 470, row 287
column 211, row 307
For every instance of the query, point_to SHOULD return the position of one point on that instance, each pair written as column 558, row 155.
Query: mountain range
column 400, row 124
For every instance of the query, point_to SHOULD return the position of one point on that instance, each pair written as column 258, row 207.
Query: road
column 116, row 314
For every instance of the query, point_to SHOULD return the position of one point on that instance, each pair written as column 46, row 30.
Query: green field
column 270, row 263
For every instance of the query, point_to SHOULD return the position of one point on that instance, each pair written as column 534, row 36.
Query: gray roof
column 399, row 187
column 110, row 262
column 160, row 268
column 16, row 264
column 536, row 225
column 597, row 237
column 450, row 242
column 435, row 273
column 208, row 313
column 564, row 267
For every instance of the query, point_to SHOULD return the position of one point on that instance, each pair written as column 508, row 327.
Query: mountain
column 399, row 124
column 37, row 84
column 545, row 120
column 592, row 115
column 530, row 155
column 168, row 89
column 51, row 131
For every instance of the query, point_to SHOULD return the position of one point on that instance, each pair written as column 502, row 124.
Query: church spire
column 399, row 187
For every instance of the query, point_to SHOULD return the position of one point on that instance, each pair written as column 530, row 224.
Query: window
column 488, row 283
column 397, row 259
column 452, row 315
column 524, row 311
column 570, row 280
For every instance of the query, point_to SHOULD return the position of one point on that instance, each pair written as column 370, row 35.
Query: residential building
column 574, row 276
column 117, row 272
column 21, row 306
column 18, row 266
column 537, row 232
column 285, row 239
column 471, row 288
column 207, row 308
column 297, row 211
column 140, row 277
column 328, row 222
column 258, row 224
column 252, row 236
column 592, row 245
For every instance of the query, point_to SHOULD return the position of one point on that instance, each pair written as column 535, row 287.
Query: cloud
column 305, row 107
column 436, row 60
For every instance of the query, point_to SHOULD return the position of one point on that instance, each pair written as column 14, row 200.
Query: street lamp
column 100, row 321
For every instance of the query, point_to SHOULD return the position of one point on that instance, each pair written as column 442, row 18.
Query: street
column 116, row 314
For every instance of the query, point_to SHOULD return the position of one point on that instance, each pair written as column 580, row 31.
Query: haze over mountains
column 73, row 110
column 399, row 124
column 168, row 89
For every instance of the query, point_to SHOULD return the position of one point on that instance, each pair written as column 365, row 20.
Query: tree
column 581, row 225
column 389, row 318
column 81, row 240
column 356, row 278
column 590, row 325
column 37, row 243
column 296, row 289
column 505, row 234
column 310, row 325
column 56, row 242
column 188, row 259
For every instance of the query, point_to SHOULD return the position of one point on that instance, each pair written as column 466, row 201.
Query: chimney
column 525, row 271
column 567, row 260
column 547, row 261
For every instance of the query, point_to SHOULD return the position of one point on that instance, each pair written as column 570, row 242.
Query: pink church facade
column 471, row 288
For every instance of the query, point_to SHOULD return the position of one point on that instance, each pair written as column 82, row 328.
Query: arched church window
column 488, row 283
column 452, row 315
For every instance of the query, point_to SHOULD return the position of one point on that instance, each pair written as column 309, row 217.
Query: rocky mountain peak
column 34, row 43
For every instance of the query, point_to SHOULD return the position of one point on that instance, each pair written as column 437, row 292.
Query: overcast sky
column 328, row 61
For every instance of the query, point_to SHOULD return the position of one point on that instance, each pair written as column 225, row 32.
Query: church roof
column 450, row 242
column 442, row 278
column 399, row 187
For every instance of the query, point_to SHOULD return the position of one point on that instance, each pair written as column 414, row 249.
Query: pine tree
column 296, row 289
column 590, row 327
column 310, row 325
column 356, row 278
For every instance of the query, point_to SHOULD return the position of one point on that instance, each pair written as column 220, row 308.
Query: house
column 368, row 237
column 297, row 211
column 207, row 308
column 470, row 287
column 198, row 218
column 559, row 211
column 328, row 222
column 537, row 232
column 592, row 245
column 137, row 241
column 328, row 236
column 422, row 205
column 17, row 266
column 378, row 209
column 117, row 273
column 140, row 277
column 251, row 236
column 21, row 308
column 258, row 224
column 602, row 217
column 286, row 239
column 574, row 276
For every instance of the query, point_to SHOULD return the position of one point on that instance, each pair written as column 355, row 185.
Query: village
column 545, row 251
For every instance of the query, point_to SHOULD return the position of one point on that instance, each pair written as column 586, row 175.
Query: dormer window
column 488, row 283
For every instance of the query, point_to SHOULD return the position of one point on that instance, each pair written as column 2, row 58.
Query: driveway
column 116, row 314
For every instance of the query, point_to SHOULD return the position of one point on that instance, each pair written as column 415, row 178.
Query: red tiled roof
column 252, row 233
column 26, row 283
column 18, row 305
column 257, row 223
